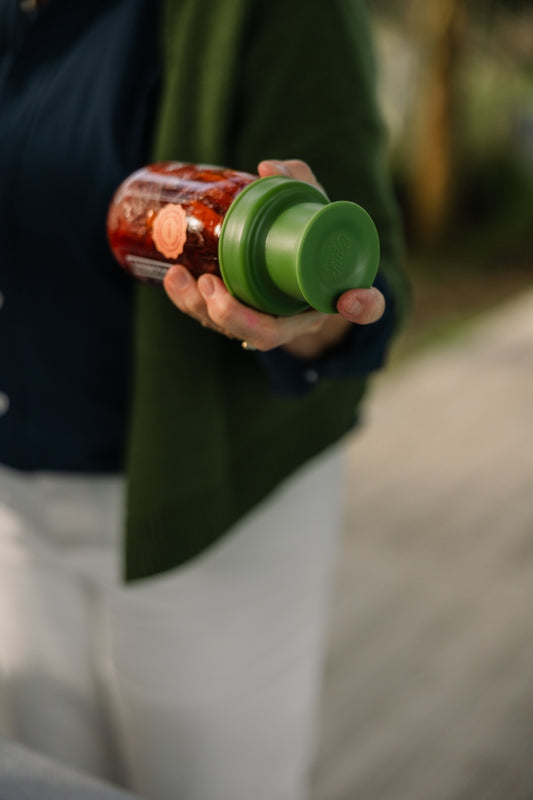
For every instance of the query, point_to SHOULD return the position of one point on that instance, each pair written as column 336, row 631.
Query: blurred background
column 457, row 91
column 429, row 675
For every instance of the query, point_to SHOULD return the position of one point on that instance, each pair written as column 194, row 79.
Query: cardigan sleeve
column 363, row 351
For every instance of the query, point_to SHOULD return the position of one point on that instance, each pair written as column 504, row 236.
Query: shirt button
column 311, row 375
column 4, row 403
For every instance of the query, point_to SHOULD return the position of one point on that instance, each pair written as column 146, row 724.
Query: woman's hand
column 305, row 335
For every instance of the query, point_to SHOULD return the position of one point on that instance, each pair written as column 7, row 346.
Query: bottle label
column 169, row 230
column 147, row 267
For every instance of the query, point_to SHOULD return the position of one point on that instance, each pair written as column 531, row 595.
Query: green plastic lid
column 284, row 247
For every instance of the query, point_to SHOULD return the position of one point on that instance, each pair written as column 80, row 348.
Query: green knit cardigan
column 246, row 80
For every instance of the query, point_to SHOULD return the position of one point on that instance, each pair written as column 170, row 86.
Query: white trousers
column 198, row 684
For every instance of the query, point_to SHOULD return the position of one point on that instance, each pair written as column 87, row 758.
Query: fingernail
column 281, row 167
column 353, row 306
column 179, row 277
column 207, row 286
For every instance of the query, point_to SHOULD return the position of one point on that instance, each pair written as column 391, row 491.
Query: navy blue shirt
column 78, row 82
column 78, row 91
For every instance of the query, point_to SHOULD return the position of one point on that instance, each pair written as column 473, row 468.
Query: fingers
column 209, row 302
column 291, row 168
column 262, row 331
column 361, row 306
column 182, row 289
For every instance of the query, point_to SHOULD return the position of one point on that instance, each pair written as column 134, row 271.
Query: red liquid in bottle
column 171, row 212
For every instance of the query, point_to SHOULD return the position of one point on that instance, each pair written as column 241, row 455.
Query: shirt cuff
column 363, row 351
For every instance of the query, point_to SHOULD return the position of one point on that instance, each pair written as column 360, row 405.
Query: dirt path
column 429, row 683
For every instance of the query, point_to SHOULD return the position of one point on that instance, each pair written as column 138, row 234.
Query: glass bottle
column 279, row 244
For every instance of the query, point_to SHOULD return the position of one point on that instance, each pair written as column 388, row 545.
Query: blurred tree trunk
column 438, row 28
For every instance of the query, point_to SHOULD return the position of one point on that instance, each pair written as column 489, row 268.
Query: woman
column 198, row 678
